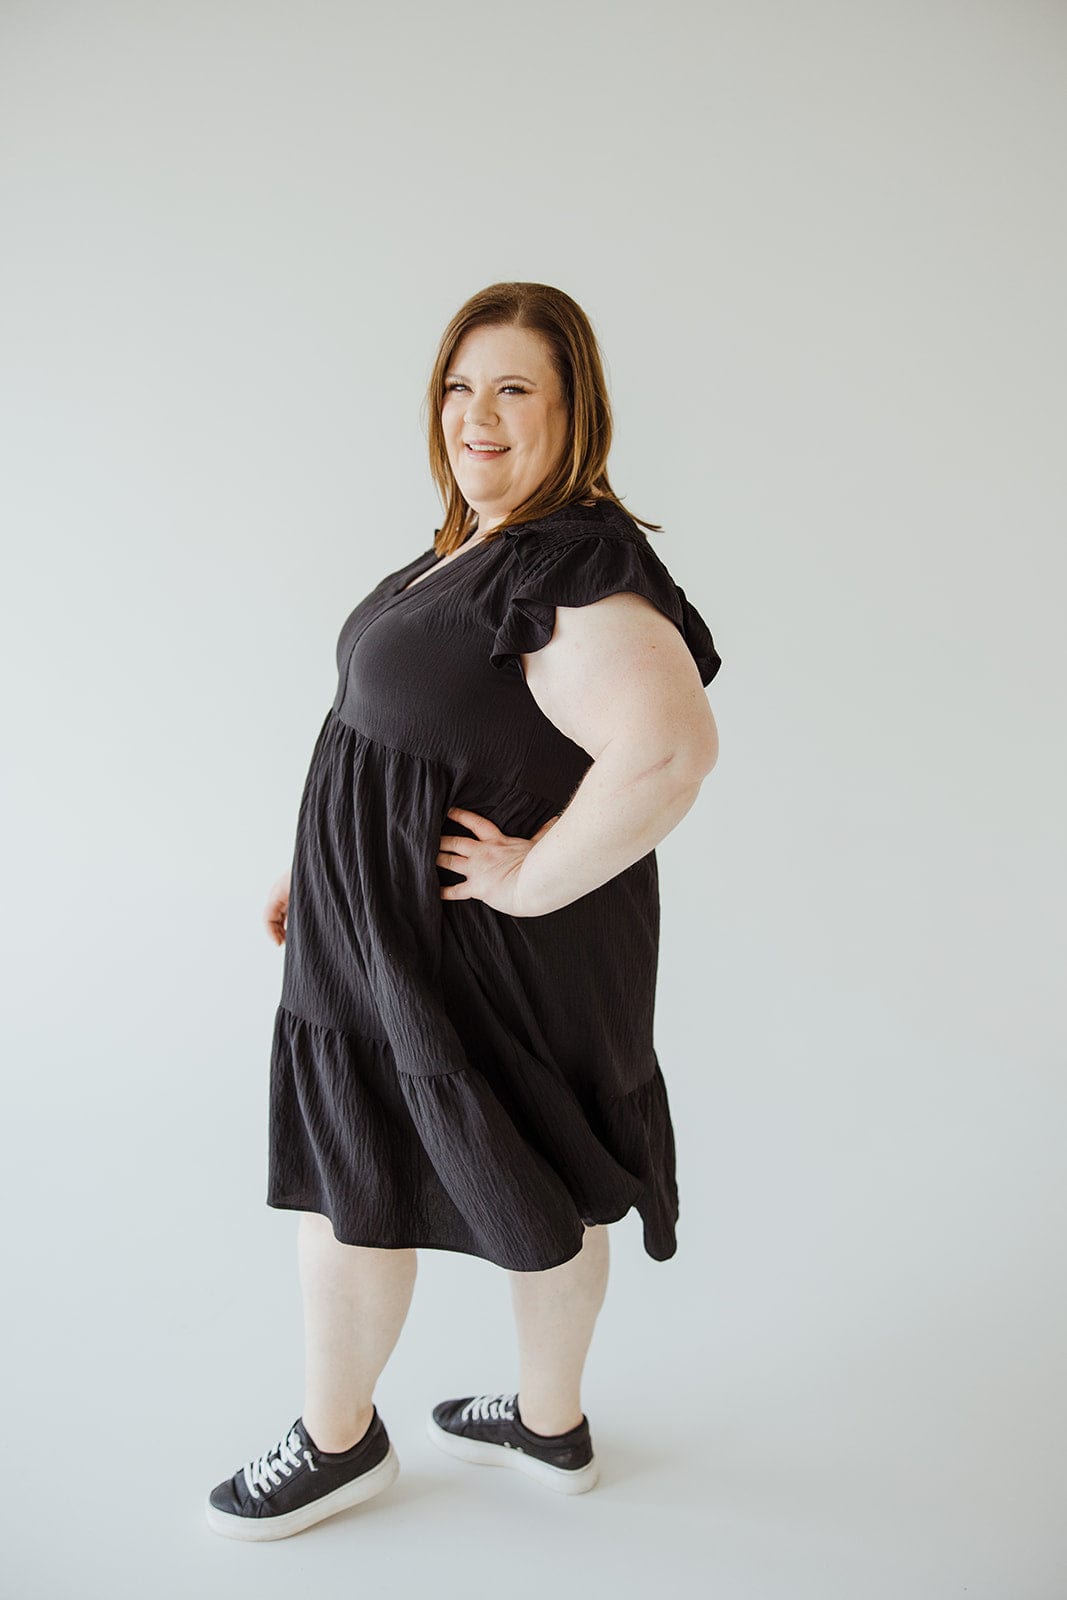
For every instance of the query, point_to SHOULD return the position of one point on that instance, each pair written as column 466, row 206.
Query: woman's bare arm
column 617, row 678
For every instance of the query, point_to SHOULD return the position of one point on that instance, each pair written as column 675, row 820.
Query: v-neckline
column 415, row 580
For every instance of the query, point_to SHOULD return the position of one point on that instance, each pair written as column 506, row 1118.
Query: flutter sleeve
column 578, row 571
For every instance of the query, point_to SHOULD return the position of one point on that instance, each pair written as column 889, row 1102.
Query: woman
column 462, row 1054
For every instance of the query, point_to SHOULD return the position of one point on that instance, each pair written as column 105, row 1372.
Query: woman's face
column 502, row 389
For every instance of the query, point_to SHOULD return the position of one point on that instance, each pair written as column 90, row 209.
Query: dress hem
column 292, row 1204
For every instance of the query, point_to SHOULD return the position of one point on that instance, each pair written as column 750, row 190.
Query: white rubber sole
column 290, row 1522
column 499, row 1455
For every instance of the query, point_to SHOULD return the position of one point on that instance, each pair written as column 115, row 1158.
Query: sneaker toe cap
column 224, row 1498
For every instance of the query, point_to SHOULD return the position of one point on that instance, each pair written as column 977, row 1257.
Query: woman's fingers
column 276, row 909
column 455, row 860
column 480, row 826
column 455, row 842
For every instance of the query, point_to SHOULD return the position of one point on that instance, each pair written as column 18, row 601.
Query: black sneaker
column 487, row 1428
column 295, row 1484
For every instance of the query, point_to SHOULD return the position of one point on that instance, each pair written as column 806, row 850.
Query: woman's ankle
column 335, row 1435
column 549, row 1421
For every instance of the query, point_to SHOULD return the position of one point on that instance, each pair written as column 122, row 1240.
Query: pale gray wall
column 824, row 247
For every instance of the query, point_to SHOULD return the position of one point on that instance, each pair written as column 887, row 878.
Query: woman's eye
column 514, row 387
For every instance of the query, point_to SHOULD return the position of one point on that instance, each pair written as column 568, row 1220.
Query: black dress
column 442, row 1074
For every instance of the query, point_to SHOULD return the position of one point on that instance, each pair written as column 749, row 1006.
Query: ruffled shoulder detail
column 578, row 565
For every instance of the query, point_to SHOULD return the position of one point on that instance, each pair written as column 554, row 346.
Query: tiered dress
column 444, row 1075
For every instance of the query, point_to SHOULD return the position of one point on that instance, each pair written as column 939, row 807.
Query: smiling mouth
column 486, row 450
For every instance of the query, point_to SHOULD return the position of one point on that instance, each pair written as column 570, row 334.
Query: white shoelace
column 487, row 1406
column 277, row 1464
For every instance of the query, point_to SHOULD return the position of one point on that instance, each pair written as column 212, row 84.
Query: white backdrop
column 823, row 246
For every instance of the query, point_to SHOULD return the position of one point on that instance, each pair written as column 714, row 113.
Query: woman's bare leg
column 555, row 1314
column 355, row 1301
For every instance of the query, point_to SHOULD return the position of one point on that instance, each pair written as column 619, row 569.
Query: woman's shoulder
column 576, row 556
column 580, row 520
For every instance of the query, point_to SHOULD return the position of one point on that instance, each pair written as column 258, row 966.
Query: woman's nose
column 478, row 412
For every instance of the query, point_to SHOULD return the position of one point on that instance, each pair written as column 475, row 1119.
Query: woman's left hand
column 489, row 862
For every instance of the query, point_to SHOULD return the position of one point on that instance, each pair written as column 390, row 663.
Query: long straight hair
column 581, row 472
